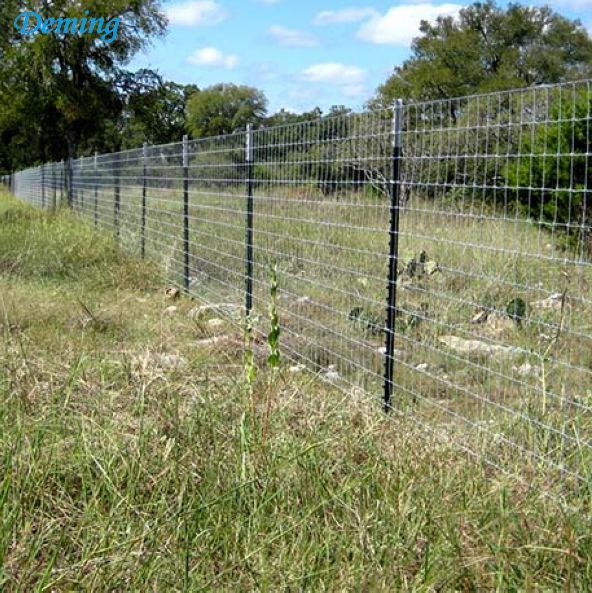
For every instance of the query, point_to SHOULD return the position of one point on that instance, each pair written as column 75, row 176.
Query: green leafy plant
column 250, row 367
column 273, row 337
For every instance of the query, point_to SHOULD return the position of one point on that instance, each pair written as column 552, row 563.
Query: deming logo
column 29, row 23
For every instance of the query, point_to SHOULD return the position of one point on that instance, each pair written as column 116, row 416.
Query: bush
column 550, row 177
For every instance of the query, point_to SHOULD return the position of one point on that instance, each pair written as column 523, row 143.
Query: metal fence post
column 55, row 186
column 143, row 219
column 249, row 223
column 185, row 213
column 116, row 196
column 62, row 181
column 69, row 185
column 81, row 190
column 393, row 261
column 43, row 186
column 96, row 190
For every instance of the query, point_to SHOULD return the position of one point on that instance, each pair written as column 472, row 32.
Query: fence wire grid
column 437, row 254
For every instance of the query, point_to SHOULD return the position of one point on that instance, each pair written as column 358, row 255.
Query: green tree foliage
column 223, row 109
column 284, row 118
column 553, row 181
column 65, row 86
column 488, row 48
column 154, row 110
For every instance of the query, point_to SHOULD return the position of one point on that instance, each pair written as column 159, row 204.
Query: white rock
column 480, row 317
column 303, row 300
column 211, row 341
column 551, row 302
column 527, row 370
column 298, row 368
column 431, row 267
column 477, row 347
column 422, row 366
column 223, row 308
column 170, row 310
column 170, row 361
column 396, row 353
column 331, row 373
column 213, row 324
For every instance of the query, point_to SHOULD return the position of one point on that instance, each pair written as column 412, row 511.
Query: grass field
column 135, row 456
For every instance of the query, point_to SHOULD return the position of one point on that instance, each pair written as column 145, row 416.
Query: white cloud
column 400, row 24
column 334, row 73
column 347, row 15
column 196, row 12
column 212, row 58
column 292, row 37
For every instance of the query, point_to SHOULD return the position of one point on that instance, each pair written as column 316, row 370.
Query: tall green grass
column 122, row 471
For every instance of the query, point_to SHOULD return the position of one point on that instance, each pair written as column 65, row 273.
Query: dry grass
column 134, row 457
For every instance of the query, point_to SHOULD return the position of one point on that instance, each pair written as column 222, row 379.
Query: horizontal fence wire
column 491, row 326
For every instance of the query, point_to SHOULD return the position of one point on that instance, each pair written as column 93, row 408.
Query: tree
column 153, row 111
column 283, row 117
column 553, row 185
column 488, row 48
column 64, row 85
column 223, row 109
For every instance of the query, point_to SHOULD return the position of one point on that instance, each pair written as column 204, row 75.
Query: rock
column 172, row 293
column 222, row 308
column 481, row 317
column 214, row 324
column 170, row 361
column 396, row 353
column 431, row 267
column 331, row 373
column 303, row 300
column 498, row 323
column 527, row 370
column 553, row 301
column 298, row 368
column 212, row 341
column 476, row 347
column 422, row 366
column 170, row 310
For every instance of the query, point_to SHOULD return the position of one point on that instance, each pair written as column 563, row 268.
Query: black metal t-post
column 55, row 186
column 81, row 173
column 143, row 218
column 43, row 186
column 185, row 214
column 116, row 195
column 96, row 192
column 393, row 261
column 249, row 227
column 69, row 183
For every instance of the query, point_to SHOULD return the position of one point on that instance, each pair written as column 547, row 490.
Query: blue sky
column 301, row 53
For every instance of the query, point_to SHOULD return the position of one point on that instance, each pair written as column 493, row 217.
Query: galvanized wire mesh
column 492, row 330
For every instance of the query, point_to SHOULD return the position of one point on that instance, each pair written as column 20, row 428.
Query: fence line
column 470, row 217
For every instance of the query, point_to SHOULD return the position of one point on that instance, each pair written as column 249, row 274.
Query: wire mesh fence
column 438, row 254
